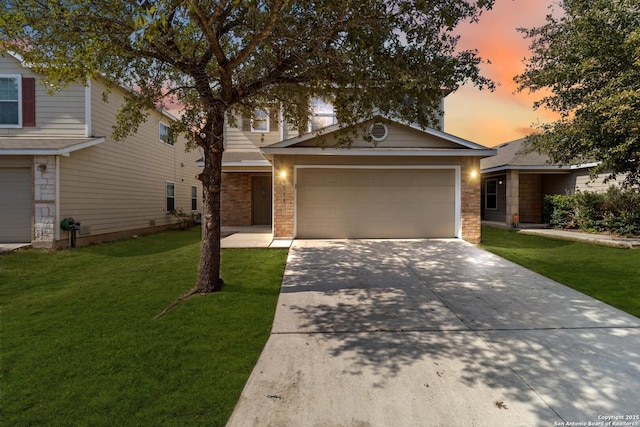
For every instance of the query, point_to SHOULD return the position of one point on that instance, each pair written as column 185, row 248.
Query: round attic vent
column 378, row 131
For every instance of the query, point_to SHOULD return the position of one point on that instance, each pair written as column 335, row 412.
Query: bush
column 616, row 211
column 185, row 220
column 560, row 211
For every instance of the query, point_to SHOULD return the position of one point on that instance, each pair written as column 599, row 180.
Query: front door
column 261, row 200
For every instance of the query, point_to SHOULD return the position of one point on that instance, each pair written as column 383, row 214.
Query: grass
column 611, row 275
column 80, row 346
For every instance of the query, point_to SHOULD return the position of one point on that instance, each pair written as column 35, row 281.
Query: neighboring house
column 515, row 182
column 57, row 160
column 406, row 183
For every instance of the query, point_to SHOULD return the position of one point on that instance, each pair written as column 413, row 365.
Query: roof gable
column 401, row 137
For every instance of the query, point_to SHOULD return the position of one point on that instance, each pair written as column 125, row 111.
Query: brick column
column 283, row 197
column 44, row 195
column 513, row 195
column 470, row 209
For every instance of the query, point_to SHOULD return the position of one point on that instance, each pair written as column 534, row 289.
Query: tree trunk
column 209, row 270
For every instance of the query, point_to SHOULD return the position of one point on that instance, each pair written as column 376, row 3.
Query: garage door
column 15, row 199
column 375, row 203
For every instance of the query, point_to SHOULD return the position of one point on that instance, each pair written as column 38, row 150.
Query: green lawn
column 79, row 345
column 609, row 274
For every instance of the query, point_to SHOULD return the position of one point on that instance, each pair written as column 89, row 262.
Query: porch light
column 473, row 173
column 283, row 174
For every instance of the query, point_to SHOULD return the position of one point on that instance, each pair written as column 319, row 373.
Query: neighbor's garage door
column 15, row 202
column 375, row 203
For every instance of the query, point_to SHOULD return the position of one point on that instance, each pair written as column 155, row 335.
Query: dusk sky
column 492, row 118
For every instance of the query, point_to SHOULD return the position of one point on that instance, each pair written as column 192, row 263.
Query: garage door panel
column 364, row 203
column 15, row 215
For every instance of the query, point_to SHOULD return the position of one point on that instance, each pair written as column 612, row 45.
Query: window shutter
column 28, row 102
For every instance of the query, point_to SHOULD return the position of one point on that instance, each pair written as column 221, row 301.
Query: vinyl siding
column 119, row 186
column 61, row 114
column 397, row 137
column 240, row 137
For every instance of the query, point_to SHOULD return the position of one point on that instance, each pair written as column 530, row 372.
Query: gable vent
column 378, row 131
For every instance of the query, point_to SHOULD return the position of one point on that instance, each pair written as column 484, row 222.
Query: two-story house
column 57, row 160
column 400, row 181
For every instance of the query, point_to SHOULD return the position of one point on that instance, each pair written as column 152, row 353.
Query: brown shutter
column 28, row 102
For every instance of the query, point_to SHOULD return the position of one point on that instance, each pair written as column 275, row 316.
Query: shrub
column 588, row 209
column 560, row 211
column 616, row 211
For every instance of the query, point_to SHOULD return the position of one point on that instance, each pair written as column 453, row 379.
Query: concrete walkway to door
column 436, row 333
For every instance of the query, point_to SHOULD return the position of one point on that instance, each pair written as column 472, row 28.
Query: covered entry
column 352, row 202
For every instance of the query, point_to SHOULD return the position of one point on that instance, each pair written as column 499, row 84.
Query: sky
column 493, row 118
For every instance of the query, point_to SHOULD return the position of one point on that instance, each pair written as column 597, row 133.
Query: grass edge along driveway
column 79, row 344
column 611, row 275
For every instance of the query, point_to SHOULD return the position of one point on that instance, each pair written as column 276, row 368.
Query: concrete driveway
column 437, row 333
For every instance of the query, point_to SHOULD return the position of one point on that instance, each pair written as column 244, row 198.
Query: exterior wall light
column 283, row 174
column 473, row 173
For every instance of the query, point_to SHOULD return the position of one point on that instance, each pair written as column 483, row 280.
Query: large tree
column 587, row 57
column 220, row 57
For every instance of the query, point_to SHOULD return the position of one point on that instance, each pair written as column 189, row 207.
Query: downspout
column 57, row 196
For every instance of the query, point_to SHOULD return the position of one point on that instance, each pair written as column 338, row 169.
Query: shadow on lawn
column 387, row 305
column 149, row 244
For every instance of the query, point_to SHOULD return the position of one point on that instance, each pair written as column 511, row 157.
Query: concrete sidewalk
column 436, row 333
column 251, row 237
column 578, row 236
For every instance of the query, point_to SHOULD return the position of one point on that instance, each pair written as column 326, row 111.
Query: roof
column 514, row 155
column 452, row 145
column 46, row 146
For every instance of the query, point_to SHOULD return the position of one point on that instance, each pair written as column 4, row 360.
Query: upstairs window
column 166, row 134
column 322, row 114
column 10, row 101
column 260, row 120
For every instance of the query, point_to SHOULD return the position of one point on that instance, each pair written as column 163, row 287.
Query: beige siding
column 398, row 137
column 584, row 183
column 240, row 137
column 119, row 186
column 61, row 114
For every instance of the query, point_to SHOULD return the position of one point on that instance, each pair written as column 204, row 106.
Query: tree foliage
column 217, row 57
column 588, row 56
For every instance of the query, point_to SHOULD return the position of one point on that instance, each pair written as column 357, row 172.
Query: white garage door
column 375, row 203
column 15, row 205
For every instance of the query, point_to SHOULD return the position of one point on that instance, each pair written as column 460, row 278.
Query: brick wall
column 236, row 199
column 283, row 203
column 470, row 188
column 530, row 190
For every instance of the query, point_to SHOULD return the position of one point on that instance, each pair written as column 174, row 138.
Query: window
column 10, row 100
column 194, row 198
column 166, row 134
column 171, row 196
column 491, row 194
column 322, row 114
column 260, row 120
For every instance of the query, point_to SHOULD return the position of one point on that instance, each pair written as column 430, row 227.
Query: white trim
column 57, row 202
column 267, row 120
column 585, row 165
column 381, row 138
column 434, row 152
column 87, row 111
column 457, row 204
column 17, row 77
column 547, row 168
column 166, row 195
column 170, row 136
column 429, row 131
column 64, row 151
